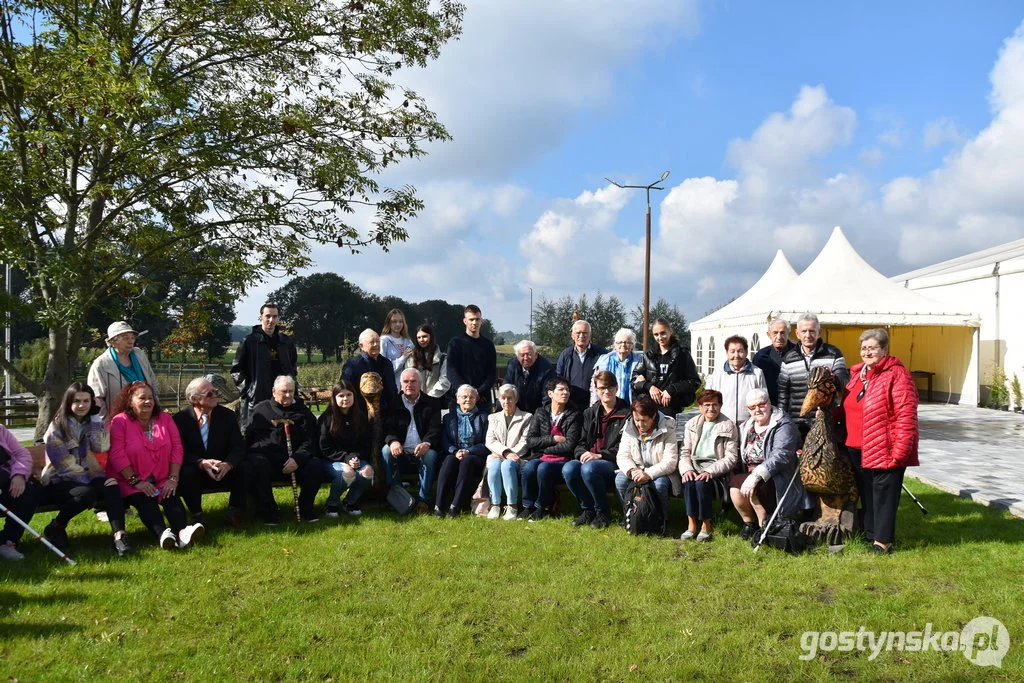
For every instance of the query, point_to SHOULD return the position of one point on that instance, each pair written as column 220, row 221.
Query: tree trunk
column 64, row 346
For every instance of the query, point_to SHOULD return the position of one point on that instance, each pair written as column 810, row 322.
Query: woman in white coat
column 118, row 366
column 735, row 379
column 506, row 441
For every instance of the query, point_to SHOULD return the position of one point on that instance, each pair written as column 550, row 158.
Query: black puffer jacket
column 795, row 371
column 539, row 439
column 672, row 371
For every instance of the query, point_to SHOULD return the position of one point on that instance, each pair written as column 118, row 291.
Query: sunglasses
column 213, row 393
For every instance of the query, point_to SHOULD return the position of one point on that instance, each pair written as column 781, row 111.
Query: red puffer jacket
column 890, row 433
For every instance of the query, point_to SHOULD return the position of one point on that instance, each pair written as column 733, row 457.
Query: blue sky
column 901, row 122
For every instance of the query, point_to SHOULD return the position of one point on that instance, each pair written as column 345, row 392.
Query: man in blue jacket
column 369, row 359
column 576, row 363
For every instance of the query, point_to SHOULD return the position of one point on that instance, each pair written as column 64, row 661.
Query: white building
column 991, row 282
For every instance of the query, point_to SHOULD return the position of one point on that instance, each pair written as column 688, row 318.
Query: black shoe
column 879, row 550
column 453, row 512
column 538, row 514
column 747, row 532
column 57, row 535
column 600, row 521
column 585, row 517
column 121, row 547
column 438, row 512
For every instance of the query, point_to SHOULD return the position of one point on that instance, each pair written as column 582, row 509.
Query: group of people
column 595, row 420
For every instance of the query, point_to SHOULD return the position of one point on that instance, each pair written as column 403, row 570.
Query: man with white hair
column 769, row 358
column 811, row 352
column 370, row 359
column 576, row 363
column 529, row 372
column 214, row 451
column 412, row 437
column 269, row 455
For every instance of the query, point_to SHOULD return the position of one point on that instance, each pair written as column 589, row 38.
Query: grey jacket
column 780, row 460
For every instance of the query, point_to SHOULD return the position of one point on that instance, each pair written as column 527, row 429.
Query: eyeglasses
column 624, row 343
column 870, row 349
column 607, row 388
column 763, row 404
column 212, row 393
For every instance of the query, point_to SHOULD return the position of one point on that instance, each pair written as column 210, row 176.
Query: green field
column 473, row 599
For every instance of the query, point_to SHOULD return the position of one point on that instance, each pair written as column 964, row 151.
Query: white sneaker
column 190, row 533
column 495, row 512
column 9, row 552
column 168, row 540
column 510, row 513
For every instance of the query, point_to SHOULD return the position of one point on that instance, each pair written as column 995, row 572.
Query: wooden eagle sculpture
column 825, row 468
column 371, row 387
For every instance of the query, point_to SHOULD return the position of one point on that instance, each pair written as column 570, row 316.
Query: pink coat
column 130, row 447
column 21, row 459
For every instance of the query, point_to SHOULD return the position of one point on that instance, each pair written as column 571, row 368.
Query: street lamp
column 647, row 259
column 531, row 313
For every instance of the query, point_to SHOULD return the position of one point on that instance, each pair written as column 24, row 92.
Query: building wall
column 997, row 298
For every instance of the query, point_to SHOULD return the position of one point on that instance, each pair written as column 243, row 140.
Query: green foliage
column 552, row 320
column 32, row 359
column 1018, row 394
column 671, row 313
column 322, row 375
column 998, row 394
column 210, row 139
column 471, row 599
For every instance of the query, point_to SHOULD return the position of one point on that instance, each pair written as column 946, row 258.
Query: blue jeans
column 539, row 480
column 662, row 485
column 503, row 474
column 407, row 462
column 699, row 495
column 589, row 482
column 333, row 470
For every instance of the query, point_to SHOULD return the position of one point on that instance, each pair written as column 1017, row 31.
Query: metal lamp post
column 647, row 258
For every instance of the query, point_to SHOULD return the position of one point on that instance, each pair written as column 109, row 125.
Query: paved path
column 970, row 452
column 973, row 453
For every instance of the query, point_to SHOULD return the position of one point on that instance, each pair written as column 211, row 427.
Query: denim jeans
column 662, row 485
column 589, row 482
column 504, row 474
column 539, row 480
column 699, row 495
column 334, row 472
column 407, row 462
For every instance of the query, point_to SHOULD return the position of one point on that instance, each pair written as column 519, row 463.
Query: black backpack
column 784, row 534
column 643, row 510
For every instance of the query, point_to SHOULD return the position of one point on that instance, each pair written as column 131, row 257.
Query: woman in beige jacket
column 506, row 441
column 648, row 452
column 120, row 365
column 710, row 453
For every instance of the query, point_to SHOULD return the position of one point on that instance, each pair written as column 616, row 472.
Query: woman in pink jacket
column 17, row 492
column 882, row 434
column 145, row 458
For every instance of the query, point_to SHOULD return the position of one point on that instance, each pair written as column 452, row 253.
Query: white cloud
column 510, row 88
column 872, row 156
column 940, row 132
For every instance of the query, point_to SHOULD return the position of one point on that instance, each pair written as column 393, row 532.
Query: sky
column 901, row 122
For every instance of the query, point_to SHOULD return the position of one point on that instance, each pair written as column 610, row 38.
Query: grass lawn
column 472, row 599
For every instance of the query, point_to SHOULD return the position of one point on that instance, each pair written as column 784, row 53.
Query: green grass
column 473, row 599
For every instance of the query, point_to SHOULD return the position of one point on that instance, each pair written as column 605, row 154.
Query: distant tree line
column 553, row 318
column 325, row 312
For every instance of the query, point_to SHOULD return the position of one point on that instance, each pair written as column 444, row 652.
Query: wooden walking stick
column 295, row 484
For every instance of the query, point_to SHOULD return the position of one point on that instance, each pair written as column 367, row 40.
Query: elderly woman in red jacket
column 882, row 434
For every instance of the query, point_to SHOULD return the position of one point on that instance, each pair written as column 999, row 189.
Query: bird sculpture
column 825, row 468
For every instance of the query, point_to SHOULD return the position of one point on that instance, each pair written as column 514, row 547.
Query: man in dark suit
column 214, row 451
column 412, row 437
column 529, row 372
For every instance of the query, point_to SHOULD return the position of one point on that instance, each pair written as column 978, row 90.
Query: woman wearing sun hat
column 120, row 365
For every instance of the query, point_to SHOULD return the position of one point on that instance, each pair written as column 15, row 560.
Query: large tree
column 671, row 313
column 170, row 132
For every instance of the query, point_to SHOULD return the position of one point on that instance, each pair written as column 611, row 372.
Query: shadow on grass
column 10, row 601
column 953, row 521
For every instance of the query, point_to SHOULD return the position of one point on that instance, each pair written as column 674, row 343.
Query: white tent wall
column 993, row 287
column 947, row 351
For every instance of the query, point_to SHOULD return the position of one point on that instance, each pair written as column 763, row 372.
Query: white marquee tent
column 849, row 296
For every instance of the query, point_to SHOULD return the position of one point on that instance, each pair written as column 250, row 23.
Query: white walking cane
column 771, row 520
column 60, row 553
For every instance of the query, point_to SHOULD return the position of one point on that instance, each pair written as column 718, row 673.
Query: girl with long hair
column 345, row 448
